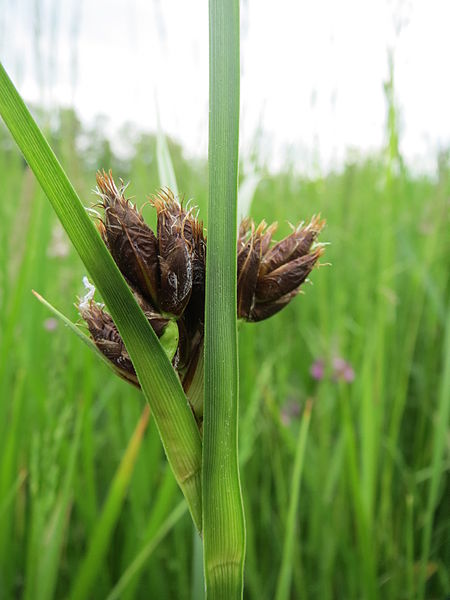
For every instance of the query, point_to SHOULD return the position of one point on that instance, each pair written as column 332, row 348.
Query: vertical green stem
column 223, row 515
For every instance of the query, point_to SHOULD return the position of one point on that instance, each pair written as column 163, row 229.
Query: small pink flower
column 317, row 369
column 342, row 370
column 349, row 374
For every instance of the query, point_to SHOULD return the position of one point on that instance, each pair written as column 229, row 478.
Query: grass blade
column 442, row 421
column 166, row 171
column 223, row 516
column 139, row 562
column 49, row 560
column 98, row 545
column 158, row 380
column 285, row 575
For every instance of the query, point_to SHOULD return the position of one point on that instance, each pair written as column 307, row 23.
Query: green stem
column 223, row 514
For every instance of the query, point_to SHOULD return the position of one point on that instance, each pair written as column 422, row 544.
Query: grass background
column 85, row 491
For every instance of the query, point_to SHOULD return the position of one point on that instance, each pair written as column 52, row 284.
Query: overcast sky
column 312, row 72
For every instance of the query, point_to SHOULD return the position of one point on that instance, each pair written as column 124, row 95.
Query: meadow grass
column 370, row 467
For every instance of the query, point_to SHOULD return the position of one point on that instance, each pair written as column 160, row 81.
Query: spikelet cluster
column 166, row 272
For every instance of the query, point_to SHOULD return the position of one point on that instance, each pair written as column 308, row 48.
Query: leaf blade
column 159, row 382
column 223, row 514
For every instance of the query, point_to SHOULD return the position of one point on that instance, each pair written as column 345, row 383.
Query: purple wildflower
column 317, row 369
column 342, row 370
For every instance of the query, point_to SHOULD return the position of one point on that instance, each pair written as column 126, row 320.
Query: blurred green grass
column 372, row 519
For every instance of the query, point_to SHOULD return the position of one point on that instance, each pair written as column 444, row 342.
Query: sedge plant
column 172, row 298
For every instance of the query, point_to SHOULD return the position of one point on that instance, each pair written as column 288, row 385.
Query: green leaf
column 159, row 382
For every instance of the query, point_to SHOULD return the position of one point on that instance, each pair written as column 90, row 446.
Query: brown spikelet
column 175, row 249
column 107, row 339
column 131, row 242
column 286, row 278
column 194, row 312
column 249, row 259
column 264, row 310
column 270, row 276
column 295, row 245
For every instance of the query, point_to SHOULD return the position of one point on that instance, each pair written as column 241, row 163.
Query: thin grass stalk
column 107, row 519
column 285, row 574
column 441, row 432
column 146, row 551
column 49, row 560
column 159, row 382
column 223, row 514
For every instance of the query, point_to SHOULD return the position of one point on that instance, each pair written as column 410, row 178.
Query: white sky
column 312, row 71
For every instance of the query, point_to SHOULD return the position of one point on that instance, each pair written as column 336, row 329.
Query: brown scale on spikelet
column 166, row 272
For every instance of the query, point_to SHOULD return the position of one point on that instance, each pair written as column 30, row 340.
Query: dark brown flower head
column 270, row 276
column 166, row 273
column 162, row 268
column 132, row 243
column 175, row 248
column 107, row 339
column 248, row 262
column 194, row 314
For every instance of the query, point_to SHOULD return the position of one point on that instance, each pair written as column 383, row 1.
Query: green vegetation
column 86, row 494
column 223, row 511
